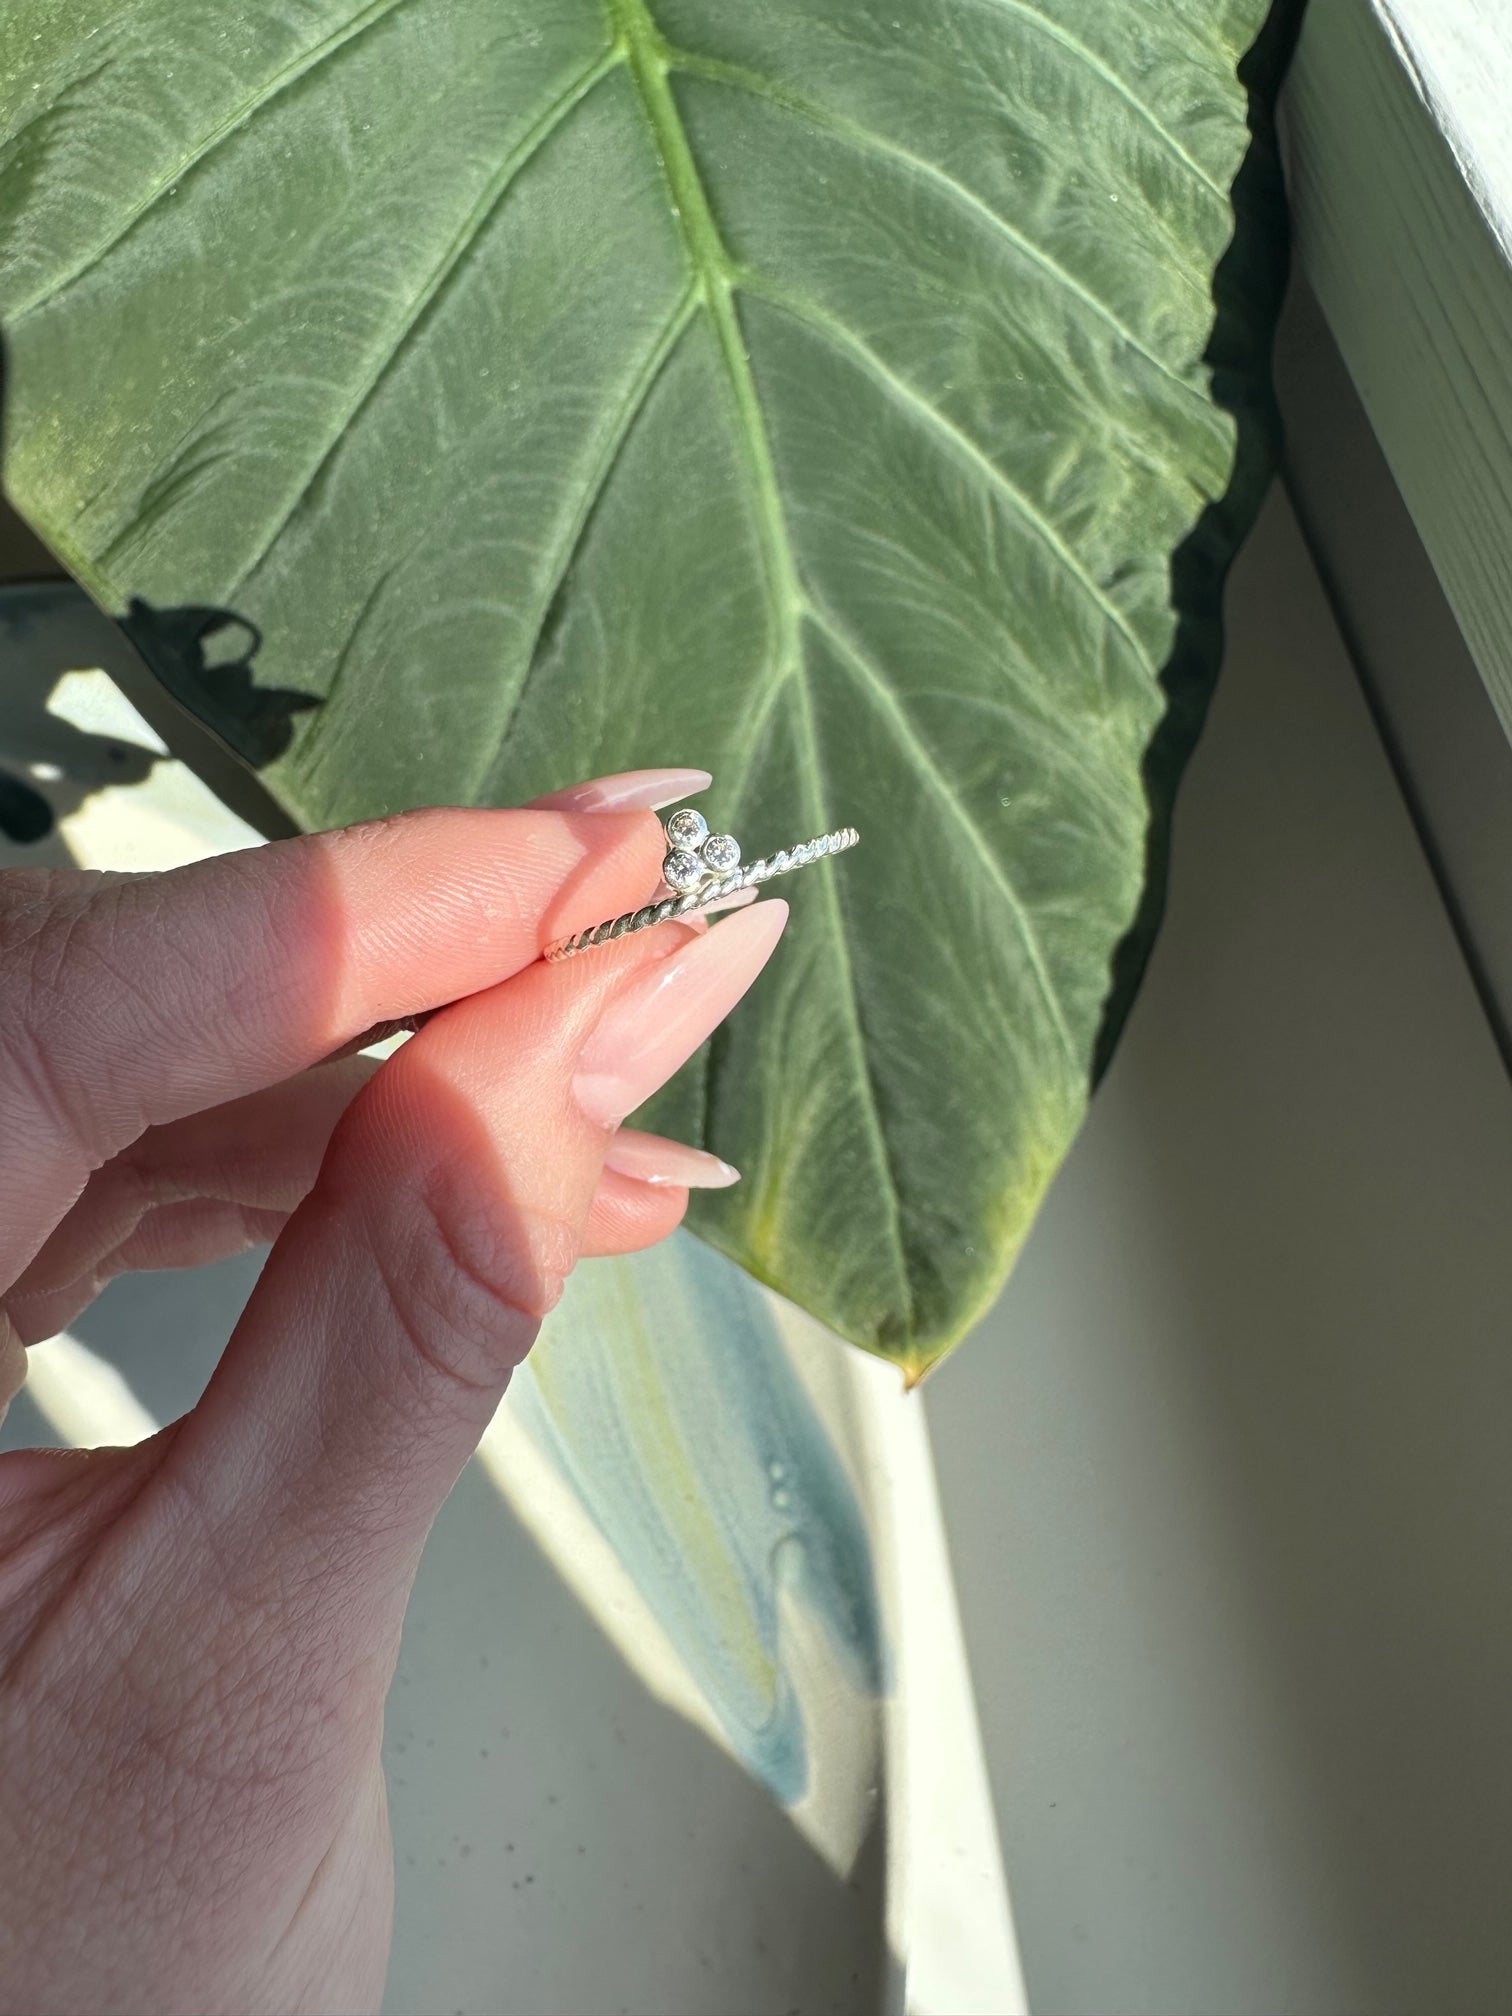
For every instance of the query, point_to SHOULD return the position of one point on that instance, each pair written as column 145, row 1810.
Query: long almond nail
column 649, row 1158
column 668, row 1010
column 629, row 791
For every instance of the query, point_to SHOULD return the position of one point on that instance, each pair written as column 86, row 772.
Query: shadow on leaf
column 204, row 657
column 1248, row 284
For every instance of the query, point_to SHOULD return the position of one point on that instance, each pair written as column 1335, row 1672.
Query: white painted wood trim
column 1399, row 156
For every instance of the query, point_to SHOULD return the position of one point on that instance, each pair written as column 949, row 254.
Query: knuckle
column 473, row 1279
column 368, row 843
column 504, row 1259
column 375, row 838
column 38, row 1009
column 65, row 955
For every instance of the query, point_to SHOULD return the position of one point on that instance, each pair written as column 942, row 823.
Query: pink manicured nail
column 651, row 1159
column 630, row 791
column 667, row 1011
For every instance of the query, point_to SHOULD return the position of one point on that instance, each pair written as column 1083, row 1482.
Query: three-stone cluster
column 695, row 855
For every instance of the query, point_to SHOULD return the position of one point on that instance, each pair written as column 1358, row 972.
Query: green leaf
column 460, row 397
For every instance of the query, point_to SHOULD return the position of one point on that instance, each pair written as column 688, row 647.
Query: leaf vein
column 711, row 264
column 905, row 396
column 607, row 454
column 397, row 339
column 1074, row 46
column 308, row 60
column 911, row 742
column 849, row 132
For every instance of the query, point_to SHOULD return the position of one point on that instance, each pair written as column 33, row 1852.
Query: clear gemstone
column 687, row 829
column 722, row 852
column 683, row 871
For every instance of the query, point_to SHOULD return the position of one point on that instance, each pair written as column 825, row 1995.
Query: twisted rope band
column 745, row 877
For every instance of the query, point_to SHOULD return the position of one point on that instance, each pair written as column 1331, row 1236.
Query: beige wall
column 1228, row 1473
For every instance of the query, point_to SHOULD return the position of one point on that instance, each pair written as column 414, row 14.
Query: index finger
column 132, row 1000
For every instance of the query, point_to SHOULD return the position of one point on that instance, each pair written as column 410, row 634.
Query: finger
column 12, row 1363
column 191, row 1191
column 219, row 1182
column 643, row 1191
column 627, row 1217
column 629, row 790
column 132, row 1000
column 451, row 1205
column 189, row 1234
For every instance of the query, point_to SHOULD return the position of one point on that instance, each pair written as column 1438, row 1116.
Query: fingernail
column 668, row 1010
column 629, row 791
column 651, row 1159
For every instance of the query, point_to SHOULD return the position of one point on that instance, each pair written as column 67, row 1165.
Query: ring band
column 701, row 870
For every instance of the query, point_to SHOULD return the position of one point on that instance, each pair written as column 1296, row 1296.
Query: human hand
column 197, row 1634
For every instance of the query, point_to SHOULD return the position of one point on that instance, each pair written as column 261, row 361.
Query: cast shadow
column 189, row 670
column 204, row 657
column 1249, row 284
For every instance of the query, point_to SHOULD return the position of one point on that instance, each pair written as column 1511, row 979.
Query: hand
column 197, row 1634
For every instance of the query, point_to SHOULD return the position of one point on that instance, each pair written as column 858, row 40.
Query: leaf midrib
column 649, row 63
column 849, row 132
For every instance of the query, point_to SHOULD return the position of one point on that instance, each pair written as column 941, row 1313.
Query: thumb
column 449, row 1210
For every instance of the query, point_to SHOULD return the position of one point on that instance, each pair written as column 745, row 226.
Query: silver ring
column 701, row 869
